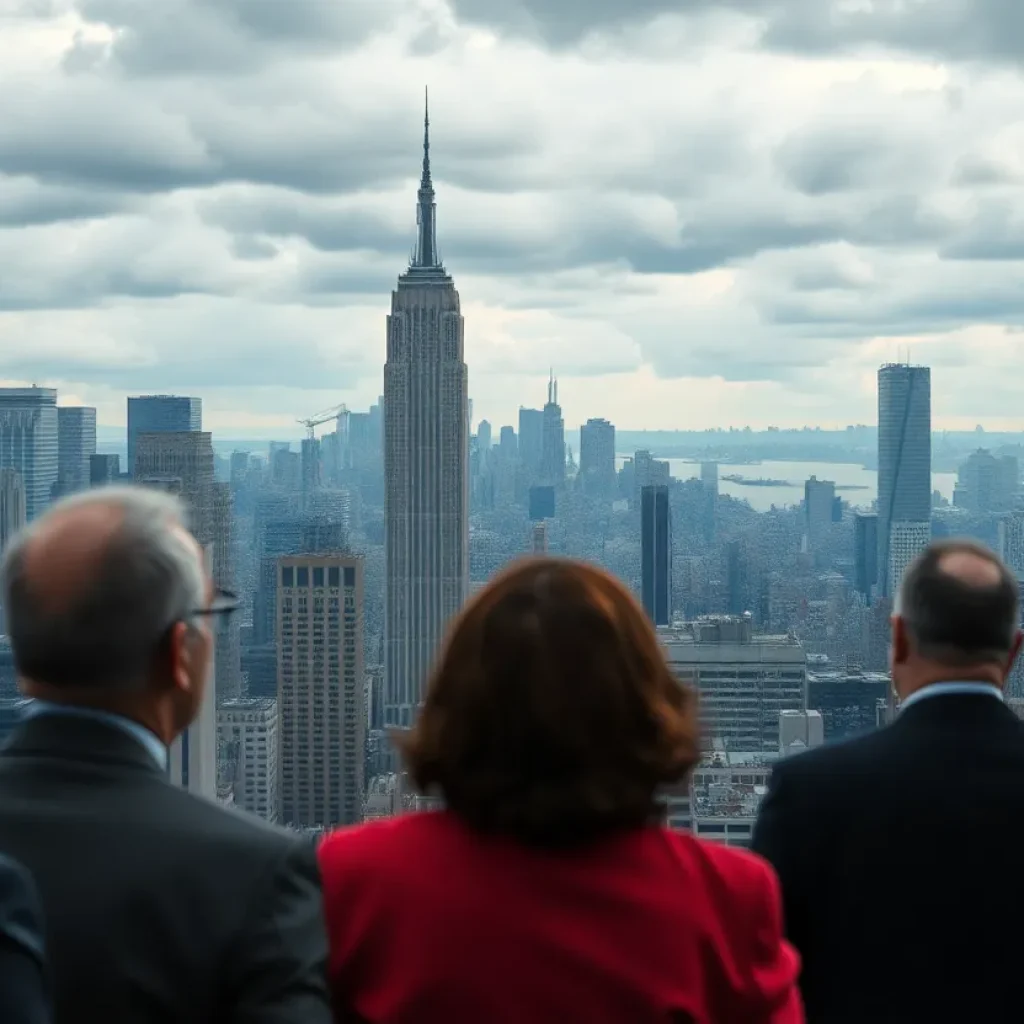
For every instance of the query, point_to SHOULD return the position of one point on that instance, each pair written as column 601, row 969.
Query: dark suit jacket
column 159, row 905
column 24, row 996
column 898, row 855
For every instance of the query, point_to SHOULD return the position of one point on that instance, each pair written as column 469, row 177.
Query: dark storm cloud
column 850, row 157
column 229, row 36
column 560, row 22
column 926, row 310
column 588, row 231
column 954, row 29
column 85, row 288
column 996, row 232
column 92, row 133
column 25, row 202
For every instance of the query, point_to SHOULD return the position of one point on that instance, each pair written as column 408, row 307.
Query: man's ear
column 900, row 640
column 1014, row 652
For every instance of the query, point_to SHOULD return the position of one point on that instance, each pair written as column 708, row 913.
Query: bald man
column 897, row 850
column 159, row 905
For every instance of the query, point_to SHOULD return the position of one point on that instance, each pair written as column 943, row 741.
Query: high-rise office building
column 745, row 680
column 597, row 457
column 28, row 443
column 865, row 552
column 552, row 465
column 986, row 483
column 12, row 505
column 321, row 678
column 161, row 414
column 247, row 731
column 104, row 469
column 709, row 477
column 76, row 444
column 904, row 467
column 183, row 463
column 483, row 438
column 531, row 442
column 192, row 757
column 819, row 497
column 426, row 464
column 656, row 553
column 1011, row 542
column 508, row 444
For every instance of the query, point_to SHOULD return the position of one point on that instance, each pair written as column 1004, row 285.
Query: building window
column 334, row 576
column 287, row 576
column 302, row 576
column 350, row 575
column 318, row 577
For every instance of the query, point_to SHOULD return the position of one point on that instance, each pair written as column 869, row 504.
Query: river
column 843, row 474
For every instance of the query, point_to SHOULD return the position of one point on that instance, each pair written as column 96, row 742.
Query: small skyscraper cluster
column 426, row 461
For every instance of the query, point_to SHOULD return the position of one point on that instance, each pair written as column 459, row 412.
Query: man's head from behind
column 956, row 618
column 104, row 598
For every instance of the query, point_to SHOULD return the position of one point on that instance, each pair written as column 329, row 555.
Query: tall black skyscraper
column 865, row 552
column 904, row 468
column 656, row 553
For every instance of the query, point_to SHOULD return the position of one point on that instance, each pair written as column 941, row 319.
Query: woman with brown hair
column 548, row 890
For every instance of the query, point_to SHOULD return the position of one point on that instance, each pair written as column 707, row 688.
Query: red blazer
column 430, row 922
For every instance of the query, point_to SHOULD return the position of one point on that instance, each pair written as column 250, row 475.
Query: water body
column 863, row 482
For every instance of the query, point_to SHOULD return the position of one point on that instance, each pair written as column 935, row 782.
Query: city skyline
column 716, row 219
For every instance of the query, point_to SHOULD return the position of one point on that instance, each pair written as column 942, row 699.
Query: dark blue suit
column 24, row 996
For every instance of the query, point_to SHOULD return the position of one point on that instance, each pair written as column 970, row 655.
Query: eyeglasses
column 224, row 603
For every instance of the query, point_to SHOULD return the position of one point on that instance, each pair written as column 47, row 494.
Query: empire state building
column 426, row 458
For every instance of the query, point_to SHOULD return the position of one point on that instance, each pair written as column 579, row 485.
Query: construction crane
column 322, row 417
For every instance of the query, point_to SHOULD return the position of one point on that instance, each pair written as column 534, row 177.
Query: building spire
column 426, row 210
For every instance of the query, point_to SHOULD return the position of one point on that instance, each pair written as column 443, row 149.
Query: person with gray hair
column 891, row 847
column 159, row 905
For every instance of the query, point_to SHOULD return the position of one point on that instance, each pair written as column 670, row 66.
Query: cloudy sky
column 699, row 212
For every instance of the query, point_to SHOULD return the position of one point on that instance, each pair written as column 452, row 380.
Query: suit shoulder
column 14, row 877
column 228, row 825
column 20, row 911
column 835, row 758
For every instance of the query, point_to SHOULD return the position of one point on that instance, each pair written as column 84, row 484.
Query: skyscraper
column 161, row 414
column 552, row 467
column 12, row 505
column 865, row 552
column 426, row 463
column 819, row 497
column 531, row 442
column 28, row 442
column 656, row 553
column 182, row 462
column 320, row 679
column 76, row 444
column 904, row 468
column 192, row 757
column 597, row 457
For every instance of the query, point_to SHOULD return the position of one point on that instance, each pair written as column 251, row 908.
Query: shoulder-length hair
column 552, row 716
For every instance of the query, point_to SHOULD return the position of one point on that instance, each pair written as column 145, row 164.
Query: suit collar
column 957, row 707
column 78, row 738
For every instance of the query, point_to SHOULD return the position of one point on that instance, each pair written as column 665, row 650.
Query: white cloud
column 727, row 237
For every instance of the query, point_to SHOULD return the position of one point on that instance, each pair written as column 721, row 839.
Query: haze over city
column 728, row 217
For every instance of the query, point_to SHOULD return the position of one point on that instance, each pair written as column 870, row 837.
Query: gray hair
column 955, row 621
column 147, row 578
